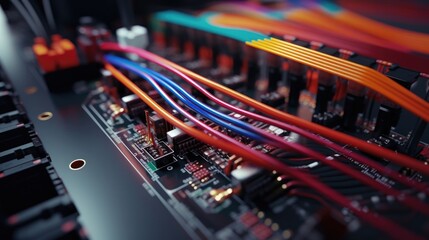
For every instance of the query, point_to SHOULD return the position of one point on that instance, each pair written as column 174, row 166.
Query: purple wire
column 300, row 131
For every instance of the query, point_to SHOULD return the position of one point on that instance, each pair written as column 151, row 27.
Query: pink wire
column 318, row 139
column 410, row 201
column 279, row 142
column 302, row 132
column 383, row 224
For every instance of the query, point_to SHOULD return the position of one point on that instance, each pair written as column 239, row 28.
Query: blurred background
column 412, row 15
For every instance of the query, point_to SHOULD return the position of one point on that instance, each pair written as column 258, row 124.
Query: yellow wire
column 388, row 86
column 340, row 137
column 340, row 65
column 414, row 40
column 360, row 78
column 348, row 70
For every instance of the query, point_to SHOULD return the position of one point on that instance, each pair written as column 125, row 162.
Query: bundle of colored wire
column 347, row 70
column 276, row 141
column 297, row 16
column 208, row 112
column 271, row 26
column 318, row 139
column 391, row 52
column 281, row 116
column 333, row 18
column 387, row 226
column 337, row 25
column 321, row 21
column 287, row 27
column 413, row 40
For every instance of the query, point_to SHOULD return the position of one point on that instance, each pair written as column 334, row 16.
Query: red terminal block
column 44, row 56
column 61, row 54
column 66, row 52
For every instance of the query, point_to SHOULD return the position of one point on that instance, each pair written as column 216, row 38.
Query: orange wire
column 385, row 85
column 320, row 21
column 413, row 40
column 291, row 119
column 348, row 70
column 200, row 135
column 382, row 50
column 382, row 223
column 268, row 26
column 343, row 23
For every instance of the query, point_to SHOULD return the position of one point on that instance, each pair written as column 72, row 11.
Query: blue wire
column 170, row 82
column 200, row 108
column 187, row 102
column 197, row 108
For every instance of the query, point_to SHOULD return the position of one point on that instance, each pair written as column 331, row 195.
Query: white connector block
column 136, row 36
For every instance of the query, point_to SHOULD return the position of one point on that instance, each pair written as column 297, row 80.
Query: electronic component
column 327, row 119
column 273, row 99
column 161, row 154
column 353, row 105
column 235, row 82
column 158, row 126
column 250, row 179
column 242, row 120
column 274, row 73
column 325, row 86
column 91, row 33
column 115, row 111
column 181, row 141
column 133, row 106
column 389, row 113
column 295, row 77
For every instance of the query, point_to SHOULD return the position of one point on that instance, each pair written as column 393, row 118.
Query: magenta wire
column 387, row 226
column 392, row 174
column 410, row 201
column 302, row 132
column 313, row 137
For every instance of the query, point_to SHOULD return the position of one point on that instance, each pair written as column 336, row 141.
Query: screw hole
column 77, row 164
column 31, row 90
column 45, row 116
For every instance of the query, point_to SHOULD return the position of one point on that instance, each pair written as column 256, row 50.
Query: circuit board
column 187, row 183
column 262, row 120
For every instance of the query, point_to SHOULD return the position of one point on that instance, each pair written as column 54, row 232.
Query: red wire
column 392, row 174
column 410, row 201
column 390, row 228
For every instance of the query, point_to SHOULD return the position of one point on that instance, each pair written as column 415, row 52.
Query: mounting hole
column 77, row 164
column 45, row 116
column 31, row 90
